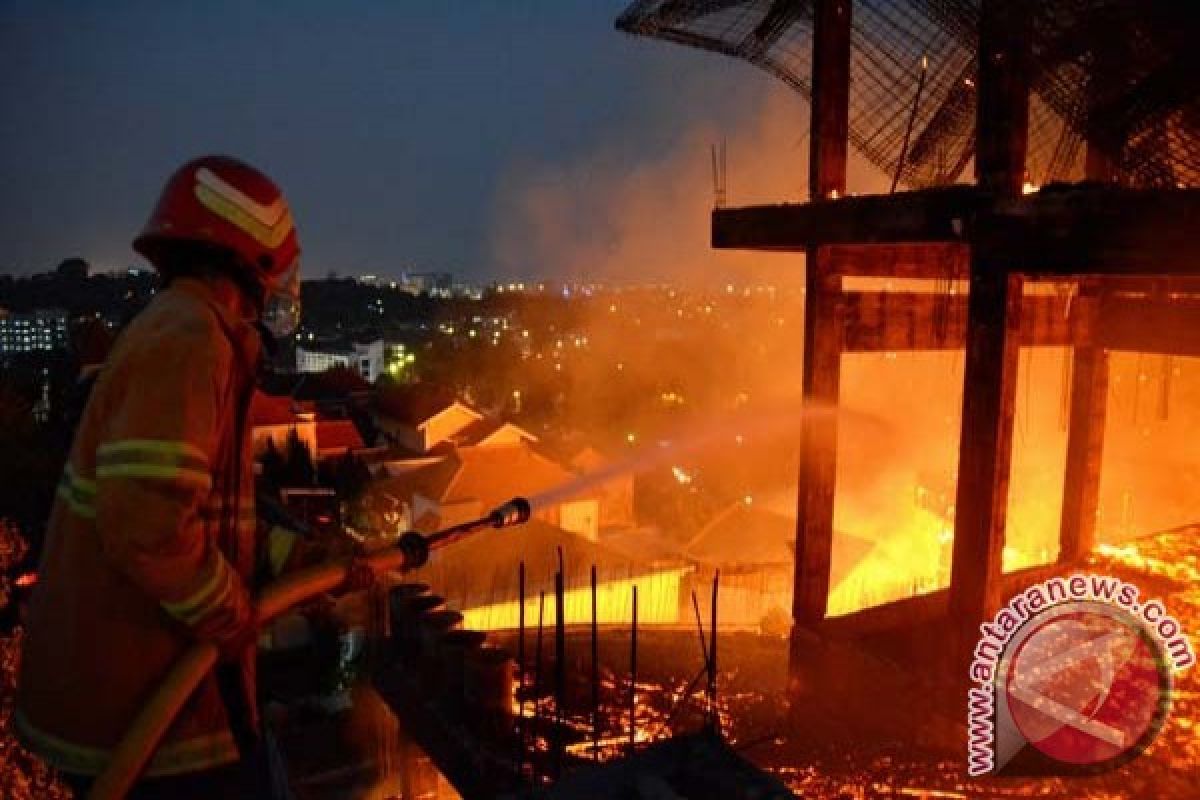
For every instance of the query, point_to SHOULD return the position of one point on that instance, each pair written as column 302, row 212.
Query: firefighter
column 153, row 540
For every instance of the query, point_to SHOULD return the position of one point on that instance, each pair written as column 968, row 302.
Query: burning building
column 489, row 578
column 1080, row 120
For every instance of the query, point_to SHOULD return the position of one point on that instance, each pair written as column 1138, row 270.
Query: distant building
column 365, row 359
column 41, row 330
column 434, row 283
column 418, row 418
column 274, row 419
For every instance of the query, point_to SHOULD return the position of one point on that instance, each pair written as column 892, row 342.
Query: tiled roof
column 746, row 536
column 269, row 409
column 482, row 428
column 336, row 434
column 493, row 475
column 414, row 403
column 488, row 475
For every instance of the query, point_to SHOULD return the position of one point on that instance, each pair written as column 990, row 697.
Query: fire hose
column 147, row 729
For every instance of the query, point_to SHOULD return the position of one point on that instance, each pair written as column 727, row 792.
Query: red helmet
column 221, row 201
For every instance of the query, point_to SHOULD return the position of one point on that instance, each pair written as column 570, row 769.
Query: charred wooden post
column 1089, row 383
column 829, row 139
column 1002, row 108
column 993, row 322
column 1085, row 437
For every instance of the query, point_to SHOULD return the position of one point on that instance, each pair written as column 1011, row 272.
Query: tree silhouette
column 300, row 470
column 274, row 469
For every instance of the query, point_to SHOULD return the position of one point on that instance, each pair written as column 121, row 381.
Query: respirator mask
column 281, row 306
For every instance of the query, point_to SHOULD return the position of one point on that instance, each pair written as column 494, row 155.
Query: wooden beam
column 985, row 445
column 822, row 328
column 1078, row 230
column 1085, row 441
column 1093, row 229
column 1002, row 109
column 1150, row 324
column 922, row 260
column 926, row 215
column 829, row 118
column 993, row 322
column 899, row 321
column 818, row 447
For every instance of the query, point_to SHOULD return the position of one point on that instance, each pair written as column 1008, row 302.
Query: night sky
column 394, row 127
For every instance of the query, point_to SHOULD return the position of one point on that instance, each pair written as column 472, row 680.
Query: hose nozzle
column 515, row 512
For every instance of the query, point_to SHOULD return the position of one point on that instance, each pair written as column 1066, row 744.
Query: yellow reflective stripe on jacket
column 170, row 447
column 280, row 542
column 174, row 758
column 78, row 493
column 211, row 594
column 154, row 458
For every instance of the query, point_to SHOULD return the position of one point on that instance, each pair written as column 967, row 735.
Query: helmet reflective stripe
column 221, row 201
column 267, row 215
column 237, row 209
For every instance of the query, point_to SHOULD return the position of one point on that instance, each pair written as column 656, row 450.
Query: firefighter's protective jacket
column 151, row 544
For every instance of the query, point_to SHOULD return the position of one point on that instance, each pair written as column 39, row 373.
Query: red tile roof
column 270, row 409
column 338, row 434
column 482, row 428
column 494, row 475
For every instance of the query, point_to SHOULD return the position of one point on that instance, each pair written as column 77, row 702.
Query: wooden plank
column 1079, row 230
column 1085, row 442
column 1091, row 229
column 876, row 322
column 926, row 215
column 1150, row 324
column 920, row 260
column 900, row 321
